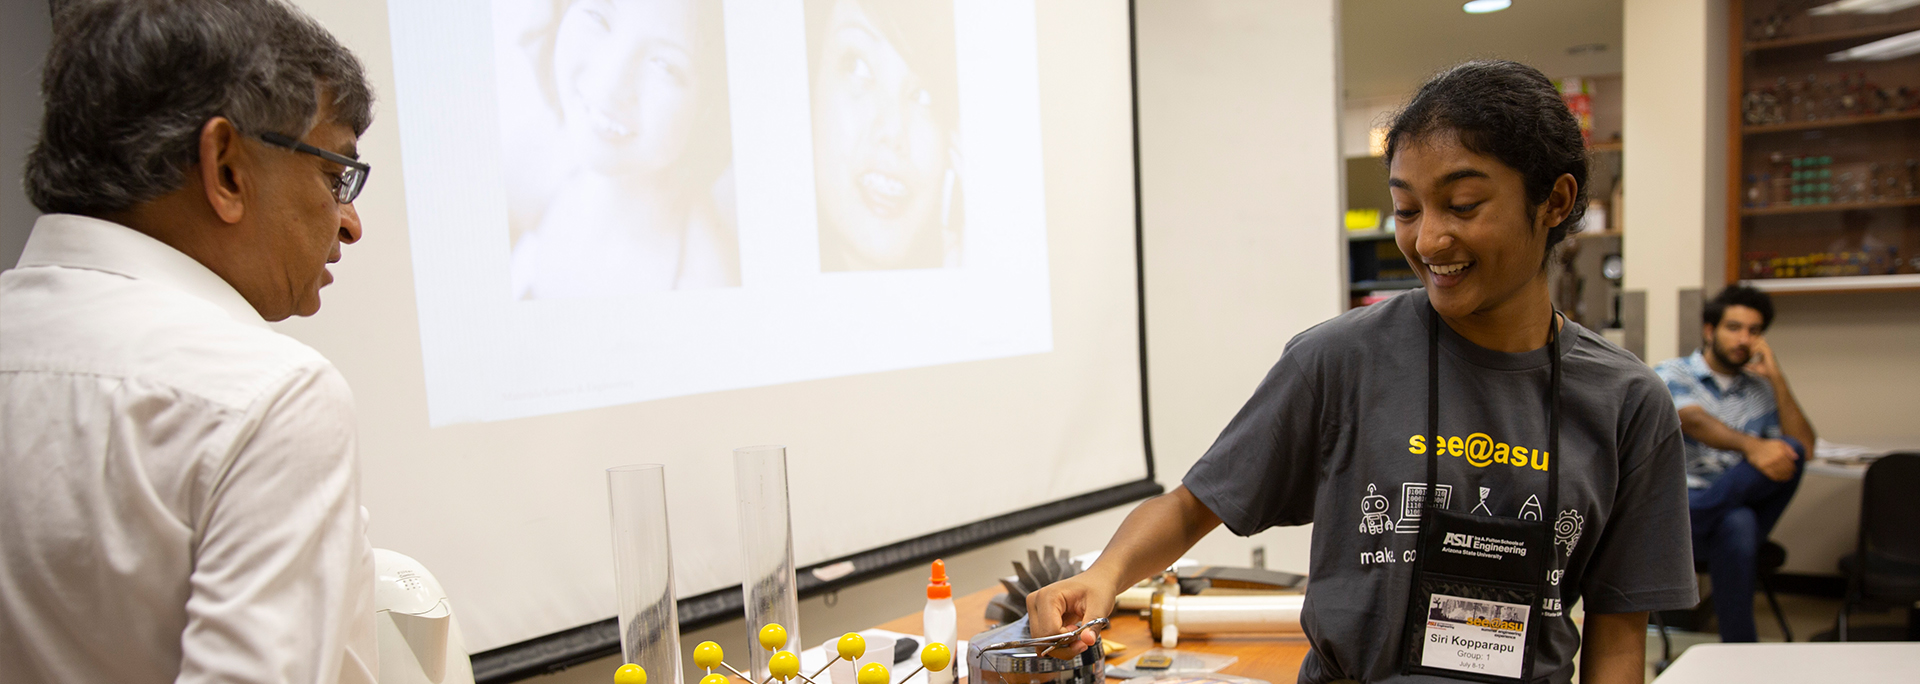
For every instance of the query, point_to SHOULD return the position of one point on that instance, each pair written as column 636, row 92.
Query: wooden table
column 1269, row 657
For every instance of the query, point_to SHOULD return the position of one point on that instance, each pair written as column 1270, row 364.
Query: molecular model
column 785, row 665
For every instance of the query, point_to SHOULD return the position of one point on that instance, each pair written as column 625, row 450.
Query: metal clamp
column 1051, row 642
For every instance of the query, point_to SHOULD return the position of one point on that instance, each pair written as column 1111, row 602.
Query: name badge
column 1477, row 585
column 1471, row 635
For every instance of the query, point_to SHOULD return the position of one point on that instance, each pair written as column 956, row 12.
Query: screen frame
column 570, row 647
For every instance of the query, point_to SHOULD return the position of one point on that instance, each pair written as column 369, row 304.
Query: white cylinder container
column 1171, row 616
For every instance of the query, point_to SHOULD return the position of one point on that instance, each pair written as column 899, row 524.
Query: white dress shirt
column 179, row 488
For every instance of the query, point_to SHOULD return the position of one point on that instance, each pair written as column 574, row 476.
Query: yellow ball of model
column 936, row 657
column 630, row 674
column 851, row 646
column 784, row 665
column 874, row 673
column 773, row 636
column 708, row 655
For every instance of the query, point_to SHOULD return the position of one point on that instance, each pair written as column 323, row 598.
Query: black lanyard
column 1482, row 583
column 1553, row 414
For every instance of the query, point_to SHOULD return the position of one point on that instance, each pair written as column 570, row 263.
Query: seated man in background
column 179, row 489
column 1746, row 440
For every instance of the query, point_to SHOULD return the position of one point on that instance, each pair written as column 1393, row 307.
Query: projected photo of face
column 886, row 134
column 618, row 160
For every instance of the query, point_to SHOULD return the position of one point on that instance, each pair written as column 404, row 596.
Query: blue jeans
column 1731, row 519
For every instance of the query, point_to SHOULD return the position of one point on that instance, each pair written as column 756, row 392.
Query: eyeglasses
column 347, row 185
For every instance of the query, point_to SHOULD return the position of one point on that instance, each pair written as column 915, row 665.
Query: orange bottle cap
column 937, row 586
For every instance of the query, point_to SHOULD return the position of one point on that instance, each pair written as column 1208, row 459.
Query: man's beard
column 1720, row 355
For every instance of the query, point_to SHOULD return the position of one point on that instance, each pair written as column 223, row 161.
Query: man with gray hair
column 179, row 488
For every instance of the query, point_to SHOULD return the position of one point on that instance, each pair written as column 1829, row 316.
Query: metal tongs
column 1051, row 642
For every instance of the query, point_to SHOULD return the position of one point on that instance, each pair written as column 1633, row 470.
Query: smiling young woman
column 1388, row 426
column 1485, row 182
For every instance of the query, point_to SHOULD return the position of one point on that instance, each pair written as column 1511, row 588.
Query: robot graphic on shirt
column 1373, row 513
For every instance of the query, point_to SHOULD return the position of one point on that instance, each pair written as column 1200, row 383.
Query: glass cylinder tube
column 643, row 570
column 766, row 543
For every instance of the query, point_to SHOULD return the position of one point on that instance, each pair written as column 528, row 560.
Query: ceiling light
column 1863, row 7
column 1886, row 48
column 1485, row 6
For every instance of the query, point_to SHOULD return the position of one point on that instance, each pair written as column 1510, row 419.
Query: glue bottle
column 939, row 620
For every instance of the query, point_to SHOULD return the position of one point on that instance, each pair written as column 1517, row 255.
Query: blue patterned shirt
column 1747, row 406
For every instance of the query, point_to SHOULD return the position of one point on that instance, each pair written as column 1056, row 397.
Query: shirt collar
column 71, row 241
column 1697, row 363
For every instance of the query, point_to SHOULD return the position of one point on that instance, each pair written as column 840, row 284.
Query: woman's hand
column 1152, row 538
column 1058, row 607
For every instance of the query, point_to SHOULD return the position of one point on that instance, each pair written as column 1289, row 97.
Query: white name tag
column 1471, row 635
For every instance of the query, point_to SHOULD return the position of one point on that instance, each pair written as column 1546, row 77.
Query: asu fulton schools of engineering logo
column 1484, row 547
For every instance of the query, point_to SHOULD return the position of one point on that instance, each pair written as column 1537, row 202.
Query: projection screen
column 896, row 236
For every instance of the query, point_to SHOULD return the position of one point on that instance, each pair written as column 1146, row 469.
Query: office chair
column 1885, row 565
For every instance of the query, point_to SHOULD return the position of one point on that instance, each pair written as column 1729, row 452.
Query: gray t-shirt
column 1334, row 436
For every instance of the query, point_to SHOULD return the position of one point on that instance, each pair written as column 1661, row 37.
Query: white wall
column 25, row 31
column 1674, row 163
column 1850, row 358
column 1241, row 191
column 1242, row 173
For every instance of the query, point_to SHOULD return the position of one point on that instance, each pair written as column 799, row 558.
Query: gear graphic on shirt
column 1566, row 530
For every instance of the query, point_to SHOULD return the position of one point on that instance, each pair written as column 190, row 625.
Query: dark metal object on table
column 1042, row 568
column 1223, row 577
column 904, row 648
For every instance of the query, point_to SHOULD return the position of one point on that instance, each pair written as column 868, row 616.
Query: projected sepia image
column 606, row 197
column 616, row 149
column 886, row 133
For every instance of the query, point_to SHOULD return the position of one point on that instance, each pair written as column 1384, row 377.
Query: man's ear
column 226, row 169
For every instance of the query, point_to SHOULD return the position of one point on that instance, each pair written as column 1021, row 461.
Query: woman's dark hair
column 1738, row 295
column 1508, row 111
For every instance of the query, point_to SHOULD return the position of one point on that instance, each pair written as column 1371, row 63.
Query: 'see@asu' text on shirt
column 1333, row 436
column 179, row 491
